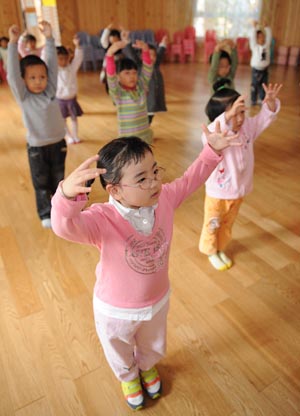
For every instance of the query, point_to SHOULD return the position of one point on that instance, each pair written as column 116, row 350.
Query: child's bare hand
column 271, row 94
column 14, row 33
column 116, row 46
column 125, row 35
column 76, row 41
column 75, row 183
column 237, row 106
column 219, row 140
column 45, row 28
column 164, row 40
column 140, row 44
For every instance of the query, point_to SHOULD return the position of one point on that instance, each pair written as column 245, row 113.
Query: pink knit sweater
column 133, row 269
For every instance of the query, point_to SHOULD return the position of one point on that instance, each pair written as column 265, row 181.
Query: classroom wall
column 93, row 15
column 284, row 18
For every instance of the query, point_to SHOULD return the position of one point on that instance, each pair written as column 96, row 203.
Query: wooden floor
column 233, row 337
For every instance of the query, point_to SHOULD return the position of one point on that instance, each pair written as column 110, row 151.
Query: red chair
column 243, row 50
column 190, row 33
column 176, row 48
column 160, row 33
column 189, row 42
column 210, row 42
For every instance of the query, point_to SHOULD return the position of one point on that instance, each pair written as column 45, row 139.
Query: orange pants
column 219, row 216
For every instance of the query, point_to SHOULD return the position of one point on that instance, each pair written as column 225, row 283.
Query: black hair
column 126, row 63
column 118, row 153
column 259, row 32
column 29, row 38
column 31, row 60
column 61, row 50
column 4, row 38
column 152, row 47
column 220, row 101
column 116, row 33
column 223, row 54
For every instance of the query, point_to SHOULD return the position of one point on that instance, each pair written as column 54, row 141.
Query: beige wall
column 284, row 17
column 10, row 13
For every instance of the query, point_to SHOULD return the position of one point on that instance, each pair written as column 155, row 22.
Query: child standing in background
column 260, row 44
column 33, row 84
column 223, row 64
column 27, row 45
column 109, row 36
column 128, row 90
column 133, row 233
column 233, row 177
column 156, row 90
column 67, row 88
column 3, row 57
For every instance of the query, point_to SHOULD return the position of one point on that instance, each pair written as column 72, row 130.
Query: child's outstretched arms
column 271, row 94
column 75, row 183
column 219, row 140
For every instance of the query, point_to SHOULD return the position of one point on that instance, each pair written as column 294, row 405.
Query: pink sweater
column 133, row 270
column 233, row 177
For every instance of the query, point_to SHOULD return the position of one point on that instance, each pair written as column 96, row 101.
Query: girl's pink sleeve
column 110, row 65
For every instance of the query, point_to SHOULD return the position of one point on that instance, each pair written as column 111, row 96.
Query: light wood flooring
column 233, row 337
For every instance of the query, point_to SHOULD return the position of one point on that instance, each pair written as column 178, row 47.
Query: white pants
column 130, row 346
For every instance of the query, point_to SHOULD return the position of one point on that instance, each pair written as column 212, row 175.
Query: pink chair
column 293, row 56
column 189, row 42
column 176, row 48
column 243, row 50
column 210, row 42
column 282, row 55
column 160, row 33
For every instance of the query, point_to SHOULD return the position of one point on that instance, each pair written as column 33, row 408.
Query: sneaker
column 133, row 393
column 151, row 383
column 46, row 223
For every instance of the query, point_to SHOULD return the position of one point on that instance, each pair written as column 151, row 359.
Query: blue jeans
column 258, row 78
column 47, row 168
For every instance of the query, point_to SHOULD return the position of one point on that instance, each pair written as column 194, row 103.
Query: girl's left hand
column 271, row 95
column 140, row 44
column 219, row 140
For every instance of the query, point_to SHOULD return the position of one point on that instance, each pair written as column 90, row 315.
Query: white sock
column 74, row 125
column 216, row 262
column 226, row 260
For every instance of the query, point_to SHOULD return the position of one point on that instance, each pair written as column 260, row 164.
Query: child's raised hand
column 219, row 140
column 125, row 35
column 164, row 41
column 75, row 183
column 140, row 44
column 45, row 28
column 76, row 41
column 237, row 106
column 271, row 94
column 116, row 46
column 14, row 33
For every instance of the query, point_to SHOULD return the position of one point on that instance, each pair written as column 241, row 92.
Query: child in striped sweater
column 129, row 90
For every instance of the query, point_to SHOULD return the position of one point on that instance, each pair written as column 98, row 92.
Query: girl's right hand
column 74, row 184
column 238, row 105
column 14, row 33
column 120, row 44
column 219, row 140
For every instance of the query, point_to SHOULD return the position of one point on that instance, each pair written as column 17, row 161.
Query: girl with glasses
column 133, row 233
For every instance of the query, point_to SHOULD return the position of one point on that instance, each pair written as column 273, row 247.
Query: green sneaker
column 133, row 393
column 151, row 383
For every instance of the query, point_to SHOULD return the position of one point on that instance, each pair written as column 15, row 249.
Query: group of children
column 133, row 230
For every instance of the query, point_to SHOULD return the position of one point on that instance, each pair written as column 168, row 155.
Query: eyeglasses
column 146, row 183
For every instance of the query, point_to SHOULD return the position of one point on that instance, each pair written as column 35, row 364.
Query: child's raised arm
column 120, row 44
column 75, row 183
column 14, row 34
column 271, row 94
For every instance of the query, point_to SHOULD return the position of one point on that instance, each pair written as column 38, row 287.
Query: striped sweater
column 131, row 104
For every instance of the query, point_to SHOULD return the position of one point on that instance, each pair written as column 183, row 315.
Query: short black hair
column 31, row 60
column 29, row 38
column 116, row 33
column 219, row 102
column 223, row 54
column 4, row 38
column 61, row 50
column 126, row 63
column 118, row 153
